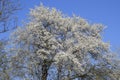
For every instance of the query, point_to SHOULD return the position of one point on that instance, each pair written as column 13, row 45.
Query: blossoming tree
column 53, row 46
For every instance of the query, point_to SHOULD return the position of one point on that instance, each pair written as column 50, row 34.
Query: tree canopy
column 54, row 46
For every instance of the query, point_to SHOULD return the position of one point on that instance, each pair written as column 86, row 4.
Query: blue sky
column 106, row 12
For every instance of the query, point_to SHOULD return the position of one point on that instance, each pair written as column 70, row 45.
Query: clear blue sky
column 106, row 12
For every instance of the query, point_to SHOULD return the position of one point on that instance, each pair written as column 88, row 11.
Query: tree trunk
column 59, row 71
column 45, row 68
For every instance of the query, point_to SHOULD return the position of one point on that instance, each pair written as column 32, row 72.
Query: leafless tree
column 8, row 19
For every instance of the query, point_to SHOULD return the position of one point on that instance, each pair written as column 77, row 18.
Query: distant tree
column 7, row 22
column 4, row 71
column 53, row 46
column 7, row 12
